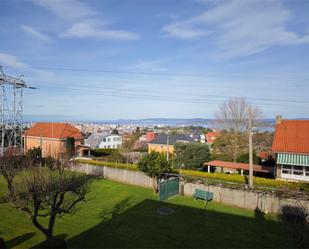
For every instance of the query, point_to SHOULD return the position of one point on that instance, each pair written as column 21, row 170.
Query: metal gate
column 168, row 188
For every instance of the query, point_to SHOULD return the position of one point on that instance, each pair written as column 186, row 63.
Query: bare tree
column 10, row 165
column 232, row 120
column 42, row 192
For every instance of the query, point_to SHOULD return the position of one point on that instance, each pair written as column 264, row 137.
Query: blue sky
column 156, row 58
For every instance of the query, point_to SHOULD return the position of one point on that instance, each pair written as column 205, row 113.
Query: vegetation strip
column 259, row 181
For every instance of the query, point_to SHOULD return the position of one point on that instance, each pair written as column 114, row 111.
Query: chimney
column 278, row 119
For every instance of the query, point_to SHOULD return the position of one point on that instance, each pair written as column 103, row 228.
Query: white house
column 101, row 140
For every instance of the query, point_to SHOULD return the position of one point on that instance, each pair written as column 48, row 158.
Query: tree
column 115, row 132
column 223, row 149
column 10, row 165
column 154, row 165
column 70, row 147
column 232, row 119
column 42, row 192
column 191, row 155
column 245, row 158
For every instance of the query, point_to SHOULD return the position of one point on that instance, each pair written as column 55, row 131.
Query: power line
column 194, row 75
column 194, row 96
column 137, row 94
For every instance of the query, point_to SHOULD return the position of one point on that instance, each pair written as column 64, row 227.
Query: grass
column 124, row 216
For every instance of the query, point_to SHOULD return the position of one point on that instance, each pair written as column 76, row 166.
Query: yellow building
column 163, row 142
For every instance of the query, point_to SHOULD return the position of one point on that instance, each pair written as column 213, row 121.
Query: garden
column 117, row 215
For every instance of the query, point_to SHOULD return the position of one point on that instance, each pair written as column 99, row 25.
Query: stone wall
column 240, row 198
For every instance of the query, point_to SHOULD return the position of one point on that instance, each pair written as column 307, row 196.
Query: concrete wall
column 240, row 198
column 120, row 175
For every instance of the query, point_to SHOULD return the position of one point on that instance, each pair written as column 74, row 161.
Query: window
column 108, row 146
column 286, row 169
column 298, row 170
column 108, row 140
column 104, row 139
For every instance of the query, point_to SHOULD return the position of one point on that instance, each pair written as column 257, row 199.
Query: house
column 164, row 142
column 291, row 149
column 103, row 140
column 211, row 137
column 53, row 138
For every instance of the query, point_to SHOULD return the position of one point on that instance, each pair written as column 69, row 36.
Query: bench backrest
column 203, row 194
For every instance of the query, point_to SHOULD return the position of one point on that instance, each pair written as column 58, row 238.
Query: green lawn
column 125, row 216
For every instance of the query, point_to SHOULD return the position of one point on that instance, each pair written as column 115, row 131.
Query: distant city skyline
column 107, row 60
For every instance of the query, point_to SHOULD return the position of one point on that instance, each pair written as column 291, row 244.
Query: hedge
column 258, row 181
column 109, row 164
column 103, row 152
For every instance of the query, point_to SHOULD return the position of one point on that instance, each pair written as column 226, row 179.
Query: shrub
column 109, row 164
column 294, row 214
column 296, row 219
column 103, row 152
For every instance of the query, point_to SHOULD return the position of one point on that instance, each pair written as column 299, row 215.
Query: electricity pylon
column 11, row 112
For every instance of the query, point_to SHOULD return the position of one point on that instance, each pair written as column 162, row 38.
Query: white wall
column 111, row 141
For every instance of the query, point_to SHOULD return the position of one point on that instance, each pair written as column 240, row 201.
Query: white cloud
column 9, row 60
column 83, row 21
column 66, row 9
column 184, row 31
column 35, row 33
column 91, row 29
column 240, row 27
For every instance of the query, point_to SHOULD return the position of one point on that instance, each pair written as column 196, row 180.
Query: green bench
column 202, row 194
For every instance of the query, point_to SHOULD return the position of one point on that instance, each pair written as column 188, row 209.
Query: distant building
column 164, row 142
column 52, row 138
column 211, row 137
column 291, row 147
column 101, row 140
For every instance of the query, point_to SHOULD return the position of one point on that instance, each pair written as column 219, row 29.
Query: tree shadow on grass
column 3, row 199
column 58, row 242
column 141, row 226
column 19, row 239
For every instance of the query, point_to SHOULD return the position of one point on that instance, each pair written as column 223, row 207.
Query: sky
column 133, row 59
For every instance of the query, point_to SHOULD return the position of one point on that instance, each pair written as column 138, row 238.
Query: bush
column 259, row 181
column 109, row 164
column 294, row 214
column 296, row 219
column 103, row 152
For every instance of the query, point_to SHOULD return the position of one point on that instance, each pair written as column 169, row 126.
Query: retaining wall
column 266, row 202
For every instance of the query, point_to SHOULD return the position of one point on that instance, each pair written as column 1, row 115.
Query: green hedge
column 258, row 181
column 109, row 164
column 103, row 152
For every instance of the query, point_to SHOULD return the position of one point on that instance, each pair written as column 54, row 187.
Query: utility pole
column 250, row 148
column 167, row 145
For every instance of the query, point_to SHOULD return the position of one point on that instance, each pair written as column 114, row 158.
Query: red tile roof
column 212, row 136
column 244, row 166
column 292, row 136
column 54, row 130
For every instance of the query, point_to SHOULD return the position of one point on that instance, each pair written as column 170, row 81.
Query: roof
column 54, row 130
column 244, row 166
column 96, row 138
column 211, row 136
column 172, row 139
column 291, row 136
